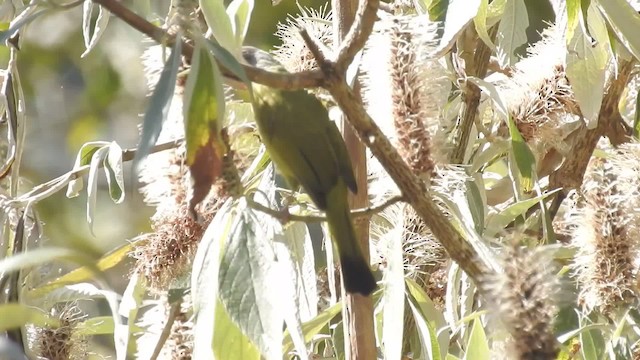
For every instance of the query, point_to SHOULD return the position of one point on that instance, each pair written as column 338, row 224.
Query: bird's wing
column 342, row 158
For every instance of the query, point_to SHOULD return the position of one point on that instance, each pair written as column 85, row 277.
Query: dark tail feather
column 357, row 276
column 355, row 269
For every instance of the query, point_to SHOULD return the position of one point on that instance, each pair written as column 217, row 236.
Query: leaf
column 429, row 320
column 525, row 161
column 636, row 119
column 229, row 342
column 91, row 37
column 16, row 315
column 459, row 14
column 312, row 327
column 393, row 298
column 26, row 16
column 100, row 325
column 113, row 172
column 239, row 12
column 245, row 285
column 38, row 257
column 92, row 183
column 499, row 222
column 512, row 32
column 216, row 17
column 84, row 273
column 480, row 22
column 82, row 291
column 438, row 9
column 204, row 279
column 203, row 114
column 625, row 20
column 586, row 67
column 132, row 300
column 82, row 159
column 159, row 104
column 478, row 345
column 227, row 60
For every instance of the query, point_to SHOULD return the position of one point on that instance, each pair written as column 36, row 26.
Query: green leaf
column 480, row 22
column 246, row 288
column 92, row 183
column 113, row 172
column 393, row 299
column 26, row 16
column 17, row 315
column 312, row 327
column 636, row 119
column 83, row 159
column 625, row 20
column 203, row 104
column 216, row 17
column 478, row 345
column 100, row 325
column 204, row 279
column 159, row 103
column 499, row 222
column 525, row 161
column 512, row 31
column 84, row 273
column 132, row 301
column 458, row 15
column 229, row 342
column 239, row 12
column 587, row 61
column 228, row 60
column 438, row 9
column 429, row 320
column 91, row 37
column 38, row 257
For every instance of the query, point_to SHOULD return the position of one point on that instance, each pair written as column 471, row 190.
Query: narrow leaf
column 587, row 61
column 393, row 298
column 512, row 32
column 239, row 12
column 216, row 17
column 478, row 345
column 113, row 172
column 203, row 114
column 17, row 315
column 159, row 103
column 92, row 184
column 85, row 273
column 100, row 325
column 26, row 16
column 91, row 37
column 38, row 257
column 626, row 22
column 459, row 14
column 83, row 158
column 312, row 327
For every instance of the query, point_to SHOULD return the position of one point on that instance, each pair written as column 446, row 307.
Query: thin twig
column 166, row 330
column 285, row 216
column 51, row 187
column 293, row 81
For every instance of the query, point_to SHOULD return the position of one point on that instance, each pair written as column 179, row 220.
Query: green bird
column 308, row 150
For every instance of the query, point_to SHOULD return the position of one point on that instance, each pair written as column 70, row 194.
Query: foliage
column 515, row 120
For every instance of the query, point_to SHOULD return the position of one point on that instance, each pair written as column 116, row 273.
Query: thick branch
column 471, row 96
column 570, row 175
column 413, row 189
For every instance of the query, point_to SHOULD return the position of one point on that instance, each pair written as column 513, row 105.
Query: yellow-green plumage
column 308, row 150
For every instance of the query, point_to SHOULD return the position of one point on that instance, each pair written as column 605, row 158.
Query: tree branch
column 285, row 216
column 571, row 173
column 293, row 81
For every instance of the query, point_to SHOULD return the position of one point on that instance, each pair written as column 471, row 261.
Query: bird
column 308, row 151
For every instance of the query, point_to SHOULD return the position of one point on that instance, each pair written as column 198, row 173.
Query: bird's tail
column 356, row 273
